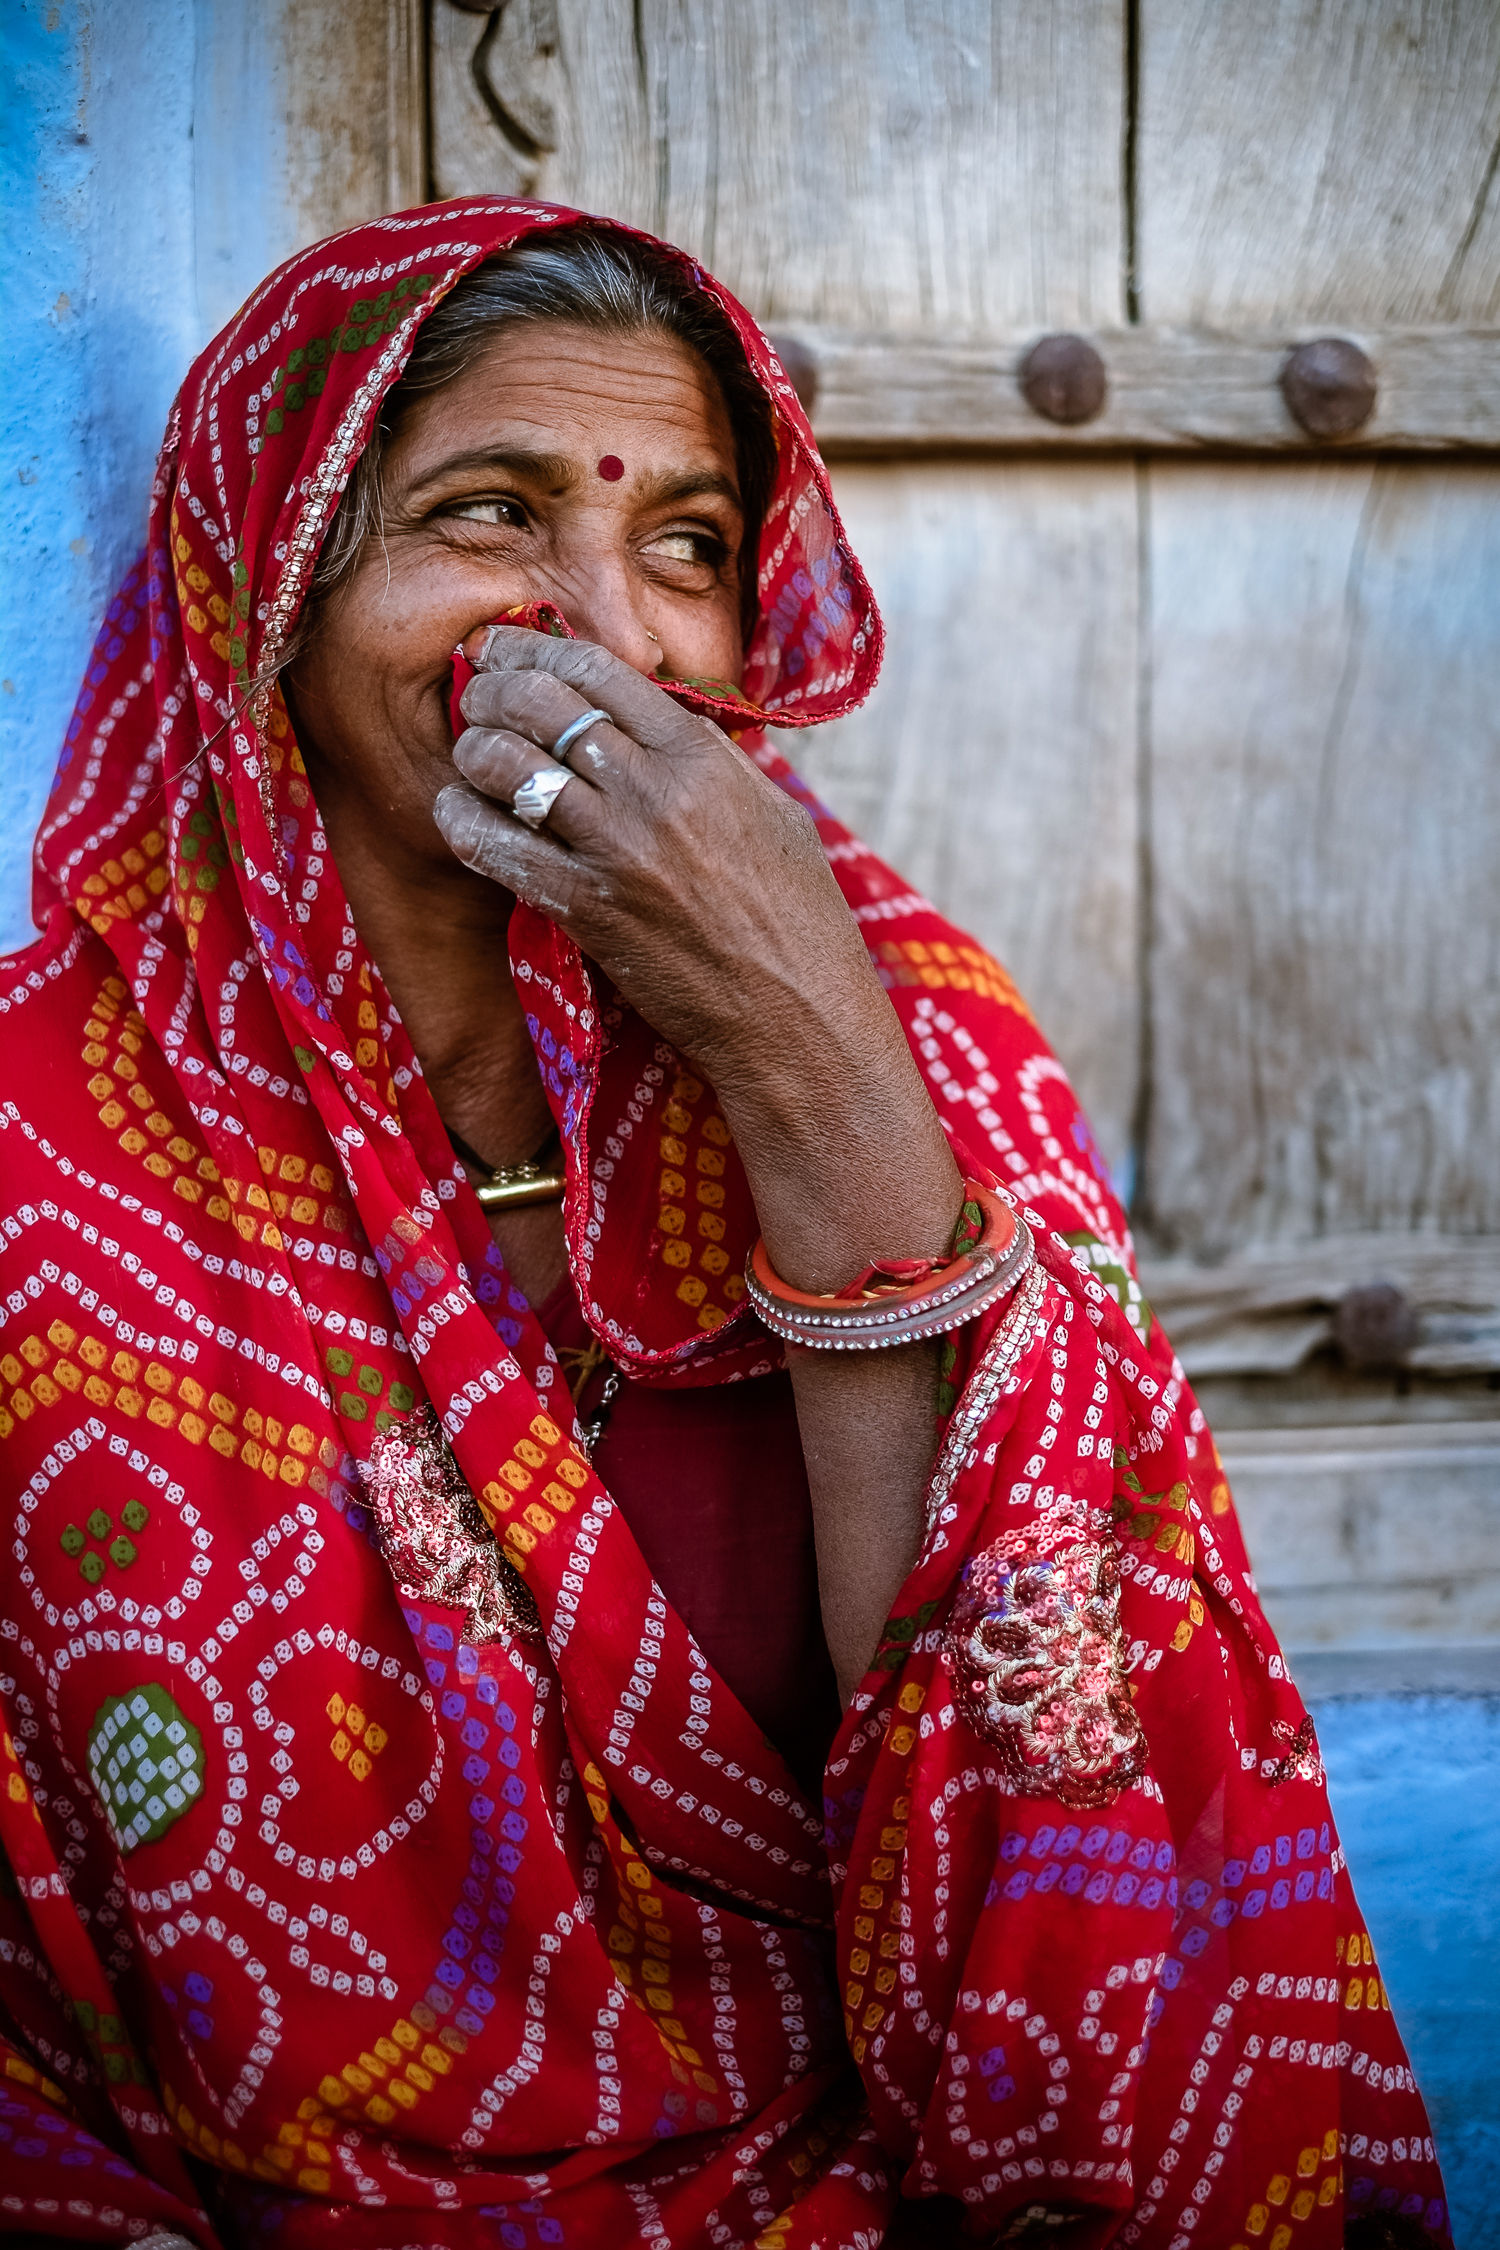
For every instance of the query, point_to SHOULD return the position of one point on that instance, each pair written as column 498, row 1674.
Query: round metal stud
column 1330, row 387
column 1375, row 1326
column 1063, row 378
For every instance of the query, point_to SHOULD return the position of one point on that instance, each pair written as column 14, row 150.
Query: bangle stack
column 885, row 1306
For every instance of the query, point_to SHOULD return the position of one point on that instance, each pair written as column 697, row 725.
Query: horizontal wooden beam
column 1265, row 1312
column 1168, row 391
column 1374, row 1533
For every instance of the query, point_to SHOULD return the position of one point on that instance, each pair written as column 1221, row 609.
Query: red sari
column 388, row 1865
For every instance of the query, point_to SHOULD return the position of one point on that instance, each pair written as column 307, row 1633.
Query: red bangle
column 881, row 1308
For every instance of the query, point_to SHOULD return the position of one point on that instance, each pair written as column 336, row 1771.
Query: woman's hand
column 696, row 884
column 701, row 889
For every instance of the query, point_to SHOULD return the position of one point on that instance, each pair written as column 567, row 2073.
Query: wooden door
column 1193, row 717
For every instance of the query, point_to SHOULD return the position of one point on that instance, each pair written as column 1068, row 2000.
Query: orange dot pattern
column 357, row 1738
column 539, row 1481
column 870, row 1985
column 66, row 1366
column 1288, row 2200
column 290, row 1188
column 120, row 889
column 690, row 1221
column 640, row 1941
column 939, row 965
column 114, row 1038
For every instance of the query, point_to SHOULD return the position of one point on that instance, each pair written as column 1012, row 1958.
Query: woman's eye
column 508, row 512
column 687, row 547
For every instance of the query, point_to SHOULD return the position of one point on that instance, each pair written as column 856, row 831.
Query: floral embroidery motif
column 1035, row 1655
column 433, row 1536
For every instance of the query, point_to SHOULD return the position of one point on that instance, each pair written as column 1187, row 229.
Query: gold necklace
column 511, row 1187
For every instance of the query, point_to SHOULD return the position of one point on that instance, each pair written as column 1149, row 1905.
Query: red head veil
column 183, row 830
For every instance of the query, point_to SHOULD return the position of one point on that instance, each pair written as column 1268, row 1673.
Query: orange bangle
column 887, row 1310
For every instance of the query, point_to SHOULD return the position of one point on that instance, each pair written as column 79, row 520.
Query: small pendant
column 514, row 1186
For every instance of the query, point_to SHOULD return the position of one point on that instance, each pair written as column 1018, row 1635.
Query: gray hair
column 593, row 278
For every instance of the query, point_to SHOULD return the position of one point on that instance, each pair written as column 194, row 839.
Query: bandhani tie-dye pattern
column 379, row 1876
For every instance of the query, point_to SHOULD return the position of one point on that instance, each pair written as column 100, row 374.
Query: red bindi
column 611, row 468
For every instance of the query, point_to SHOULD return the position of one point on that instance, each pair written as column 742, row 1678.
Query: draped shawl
column 351, row 1905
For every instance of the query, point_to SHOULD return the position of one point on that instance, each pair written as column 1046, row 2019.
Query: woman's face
column 596, row 472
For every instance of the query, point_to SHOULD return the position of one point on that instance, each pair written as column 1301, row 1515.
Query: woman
column 431, row 1602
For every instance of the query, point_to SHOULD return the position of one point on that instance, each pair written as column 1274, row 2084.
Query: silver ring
column 573, row 730
column 538, row 793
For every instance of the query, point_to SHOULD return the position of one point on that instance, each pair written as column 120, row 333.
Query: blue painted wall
column 144, row 180
column 101, row 319
column 1416, row 1788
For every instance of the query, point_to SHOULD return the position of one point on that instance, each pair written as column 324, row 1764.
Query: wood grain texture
column 996, row 762
column 1169, row 391
column 1324, row 780
column 548, row 101
column 406, row 103
column 1372, row 1536
column 942, row 167
column 349, row 90
column 1267, row 1312
column 1318, row 160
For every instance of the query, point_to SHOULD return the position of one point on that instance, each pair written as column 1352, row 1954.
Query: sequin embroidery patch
column 435, row 1538
column 1034, row 1651
column 146, row 1761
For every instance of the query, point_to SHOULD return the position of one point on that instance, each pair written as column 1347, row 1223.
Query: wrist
column 845, row 1166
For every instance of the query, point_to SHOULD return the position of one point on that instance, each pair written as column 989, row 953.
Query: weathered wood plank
column 995, row 764
column 348, row 81
column 549, row 101
column 1169, row 391
column 1308, row 160
column 1373, row 1536
column 1324, row 783
column 1268, row 1311
column 942, row 168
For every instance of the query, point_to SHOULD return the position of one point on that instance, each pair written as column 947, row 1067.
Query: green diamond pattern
column 122, row 1550
column 146, row 1760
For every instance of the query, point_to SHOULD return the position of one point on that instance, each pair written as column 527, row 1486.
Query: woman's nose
column 605, row 607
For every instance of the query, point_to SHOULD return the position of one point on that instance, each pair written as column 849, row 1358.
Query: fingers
column 497, row 763
column 532, row 682
column 527, row 861
column 525, row 702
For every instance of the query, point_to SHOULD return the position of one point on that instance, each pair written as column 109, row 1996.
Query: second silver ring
column 573, row 730
column 539, row 792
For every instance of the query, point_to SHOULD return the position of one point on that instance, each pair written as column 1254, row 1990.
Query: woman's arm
column 702, row 890
column 847, row 1163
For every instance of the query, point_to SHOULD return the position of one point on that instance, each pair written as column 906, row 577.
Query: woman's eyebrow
column 693, row 485
column 554, row 470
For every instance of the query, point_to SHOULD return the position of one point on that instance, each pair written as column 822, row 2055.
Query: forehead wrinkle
column 554, row 470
